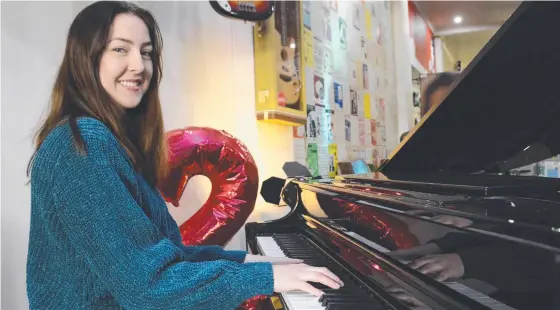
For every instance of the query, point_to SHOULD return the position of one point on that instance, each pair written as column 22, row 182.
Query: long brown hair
column 77, row 90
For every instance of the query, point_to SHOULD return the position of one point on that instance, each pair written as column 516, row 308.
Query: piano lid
column 504, row 110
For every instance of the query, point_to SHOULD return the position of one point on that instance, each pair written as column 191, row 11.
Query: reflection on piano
column 441, row 225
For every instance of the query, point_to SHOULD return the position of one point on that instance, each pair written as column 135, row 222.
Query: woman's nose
column 136, row 62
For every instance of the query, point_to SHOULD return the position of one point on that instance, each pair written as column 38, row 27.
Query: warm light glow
column 458, row 19
column 292, row 45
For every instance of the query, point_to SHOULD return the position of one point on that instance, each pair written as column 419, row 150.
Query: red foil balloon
column 234, row 176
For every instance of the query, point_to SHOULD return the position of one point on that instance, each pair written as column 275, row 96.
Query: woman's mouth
column 132, row 85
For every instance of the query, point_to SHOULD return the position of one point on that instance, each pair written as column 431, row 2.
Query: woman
column 434, row 93
column 101, row 236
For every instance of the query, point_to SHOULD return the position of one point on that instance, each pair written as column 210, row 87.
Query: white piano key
column 295, row 300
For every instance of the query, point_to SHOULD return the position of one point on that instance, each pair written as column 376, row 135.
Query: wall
column 208, row 67
column 421, row 35
column 465, row 46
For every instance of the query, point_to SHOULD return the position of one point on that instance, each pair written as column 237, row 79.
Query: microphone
column 271, row 190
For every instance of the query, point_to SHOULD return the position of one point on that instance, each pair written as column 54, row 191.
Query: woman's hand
column 295, row 277
column 415, row 252
column 452, row 220
column 250, row 258
column 441, row 267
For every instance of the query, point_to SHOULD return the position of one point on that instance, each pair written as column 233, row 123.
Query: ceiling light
column 457, row 19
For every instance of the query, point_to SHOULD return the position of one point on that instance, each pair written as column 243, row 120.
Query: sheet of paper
column 324, row 160
column 312, row 159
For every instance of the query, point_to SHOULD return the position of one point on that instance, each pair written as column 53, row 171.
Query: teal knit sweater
column 102, row 238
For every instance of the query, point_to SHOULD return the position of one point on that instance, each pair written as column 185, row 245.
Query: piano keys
column 442, row 225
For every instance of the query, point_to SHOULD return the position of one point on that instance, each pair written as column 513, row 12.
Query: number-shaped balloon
column 232, row 170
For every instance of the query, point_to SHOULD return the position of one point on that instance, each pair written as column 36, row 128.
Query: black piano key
column 351, row 296
column 354, row 306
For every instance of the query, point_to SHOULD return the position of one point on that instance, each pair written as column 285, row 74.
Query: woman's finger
column 306, row 287
column 318, row 277
column 430, row 268
column 421, row 262
column 328, row 273
column 442, row 276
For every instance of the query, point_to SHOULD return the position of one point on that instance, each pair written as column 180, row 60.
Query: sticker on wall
column 323, row 58
column 381, row 135
column 363, row 48
column 353, row 102
column 327, row 26
column 313, row 124
column 328, row 60
column 362, row 132
column 307, row 49
column 357, row 16
column 299, row 144
column 343, row 33
column 333, row 4
column 359, row 79
column 307, row 14
column 368, row 22
column 318, row 90
column 365, row 76
column 338, row 95
column 320, row 21
column 367, row 105
column 313, row 159
column 347, row 129
column 330, row 124
column 373, row 124
column 333, row 167
column 324, row 160
column 381, row 110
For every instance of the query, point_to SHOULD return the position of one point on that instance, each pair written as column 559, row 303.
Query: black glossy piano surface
column 370, row 236
column 441, row 225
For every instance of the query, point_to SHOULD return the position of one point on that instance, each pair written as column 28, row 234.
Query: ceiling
column 477, row 15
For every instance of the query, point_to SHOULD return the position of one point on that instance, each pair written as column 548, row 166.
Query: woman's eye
column 119, row 50
column 147, row 54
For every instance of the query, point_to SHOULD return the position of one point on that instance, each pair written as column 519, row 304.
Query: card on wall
column 381, row 135
column 373, row 130
column 313, row 131
column 333, row 167
column 355, row 131
column 353, row 102
column 307, row 14
column 361, row 132
column 367, row 105
column 329, row 121
column 347, row 129
column 318, row 90
column 313, row 159
column 338, row 95
column 357, row 18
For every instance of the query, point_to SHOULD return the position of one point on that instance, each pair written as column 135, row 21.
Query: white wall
column 404, row 54
column 439, row 54
column 208, row 67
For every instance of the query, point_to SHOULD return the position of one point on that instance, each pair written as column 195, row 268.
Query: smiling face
column 125, row 69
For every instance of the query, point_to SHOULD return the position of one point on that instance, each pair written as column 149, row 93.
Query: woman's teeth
column 129, row 83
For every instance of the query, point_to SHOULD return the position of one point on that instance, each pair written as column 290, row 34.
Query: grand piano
column 442, row 224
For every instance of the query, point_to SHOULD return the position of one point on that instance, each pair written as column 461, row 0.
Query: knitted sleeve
column 141, row 268
column 200, row 253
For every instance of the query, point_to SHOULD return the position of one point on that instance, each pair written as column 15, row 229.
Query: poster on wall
column 347, row 55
